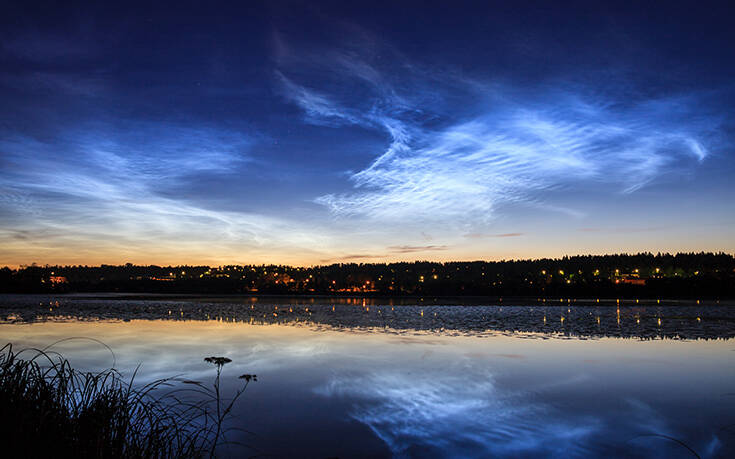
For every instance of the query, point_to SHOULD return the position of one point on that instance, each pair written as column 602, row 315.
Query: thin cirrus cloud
column 416, row 248
column 118, row 173
column 391, row 251
column 501, row 235
column 102, row 192
column 136, row 152
column 495, row 143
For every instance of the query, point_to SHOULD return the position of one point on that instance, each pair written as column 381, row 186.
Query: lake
column 380, row 378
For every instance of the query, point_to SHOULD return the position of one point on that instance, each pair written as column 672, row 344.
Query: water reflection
column 643, row 321
column 447, row 414
column 333, row 383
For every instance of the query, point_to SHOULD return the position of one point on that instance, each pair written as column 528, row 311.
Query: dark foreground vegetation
column 644, row 275
column 49, row 409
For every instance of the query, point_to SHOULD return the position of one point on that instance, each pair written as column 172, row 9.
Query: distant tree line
column 643, row 275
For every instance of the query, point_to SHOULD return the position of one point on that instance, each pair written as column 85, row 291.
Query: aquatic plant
column 51, row 409
column 222, row 413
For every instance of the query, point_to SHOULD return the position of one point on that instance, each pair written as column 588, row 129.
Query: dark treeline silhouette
column 643, row 275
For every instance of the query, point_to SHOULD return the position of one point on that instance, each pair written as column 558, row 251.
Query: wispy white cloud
column 99, row 193
column 507, row 155
column 319, row 108
column 494, row 143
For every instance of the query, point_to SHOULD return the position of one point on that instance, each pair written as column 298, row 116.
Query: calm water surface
column 375, row 380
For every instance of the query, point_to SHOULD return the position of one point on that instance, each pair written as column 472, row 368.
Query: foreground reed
column 49, row 409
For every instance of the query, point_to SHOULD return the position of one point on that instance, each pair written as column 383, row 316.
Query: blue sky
column 301, row 134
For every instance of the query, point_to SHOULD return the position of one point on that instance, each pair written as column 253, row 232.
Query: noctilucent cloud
column 298, row 134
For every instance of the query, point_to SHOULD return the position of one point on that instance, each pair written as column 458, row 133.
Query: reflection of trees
column 565, row 321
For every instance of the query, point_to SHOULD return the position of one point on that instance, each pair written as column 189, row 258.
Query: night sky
column 283, row 132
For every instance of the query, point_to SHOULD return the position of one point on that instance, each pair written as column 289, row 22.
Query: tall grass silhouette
column 49, row 409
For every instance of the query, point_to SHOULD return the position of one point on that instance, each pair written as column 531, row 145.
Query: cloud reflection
column 451, row 414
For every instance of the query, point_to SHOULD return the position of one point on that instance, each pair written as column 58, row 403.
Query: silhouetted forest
column 643, row 275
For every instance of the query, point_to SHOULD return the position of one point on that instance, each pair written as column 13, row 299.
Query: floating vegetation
column 677, row 321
